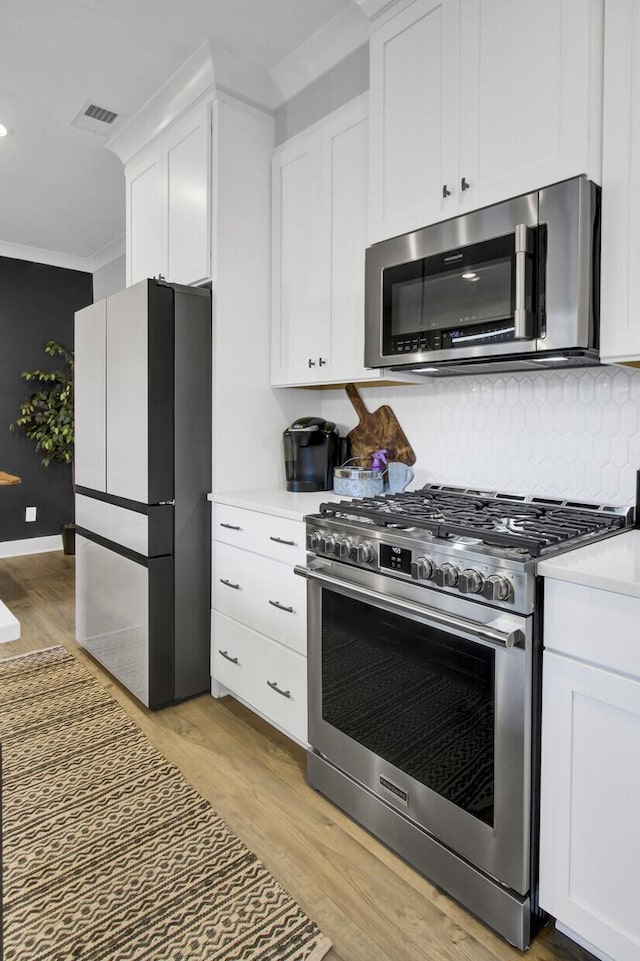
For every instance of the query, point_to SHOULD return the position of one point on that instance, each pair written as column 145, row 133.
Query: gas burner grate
column 495, row 520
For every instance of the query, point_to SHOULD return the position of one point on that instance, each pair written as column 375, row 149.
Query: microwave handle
column 523, row 319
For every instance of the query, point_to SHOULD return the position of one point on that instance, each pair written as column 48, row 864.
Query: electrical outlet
column 30, row 513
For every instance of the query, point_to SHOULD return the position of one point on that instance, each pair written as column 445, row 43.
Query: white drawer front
column 267, row 676
column 260, row 592
column 282, row 689
column 233, row 656
column 592, row 625
column 278, row 537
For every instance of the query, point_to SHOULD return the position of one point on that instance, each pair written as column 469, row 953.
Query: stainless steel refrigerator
column 142, row 474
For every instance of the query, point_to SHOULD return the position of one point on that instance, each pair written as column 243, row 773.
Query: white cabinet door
column 590, row 798
column 414, row 118
column 127, row 394
column 144, row 224
column 529, row 81
column 186, row 150
column 168, row 206
column 345, row 206
column 300, row 333
column 90, row 397
column 620, row 298
column 320, row 218
column 477, row 101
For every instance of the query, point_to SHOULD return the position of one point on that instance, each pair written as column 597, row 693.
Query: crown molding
column 212, row 66
column 55, row 258
column 323, row 50
column 107, row 254
column 372, row 9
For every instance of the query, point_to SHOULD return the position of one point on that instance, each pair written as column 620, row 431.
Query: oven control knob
column 470, row 582
column 314, row 540
column 446, row 576
column 496, row 588
column 364, row 552
column 344, row 547
column 327, row 543
column 422, row 568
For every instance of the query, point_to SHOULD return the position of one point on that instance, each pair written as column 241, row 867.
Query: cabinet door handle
column 281, row 607
column 227, row 656
column 445, row 192
column 312, row 363
column 464, row 184
column 274, row 687
column 231, row 527
column 226, row 583
column 322, row 362
column 279, row 540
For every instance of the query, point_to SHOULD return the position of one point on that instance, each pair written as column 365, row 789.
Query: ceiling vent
column 97, row 119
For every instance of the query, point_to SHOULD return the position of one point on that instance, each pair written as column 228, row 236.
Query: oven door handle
column 483, row 632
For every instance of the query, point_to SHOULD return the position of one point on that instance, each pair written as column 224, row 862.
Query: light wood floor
column 369, row 902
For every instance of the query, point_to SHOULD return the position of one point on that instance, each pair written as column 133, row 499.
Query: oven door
column 428, row 706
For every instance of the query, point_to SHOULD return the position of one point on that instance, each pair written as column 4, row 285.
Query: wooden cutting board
column 377, row 430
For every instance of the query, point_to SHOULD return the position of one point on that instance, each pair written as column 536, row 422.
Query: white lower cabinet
column 259, row 622
column 590, row 788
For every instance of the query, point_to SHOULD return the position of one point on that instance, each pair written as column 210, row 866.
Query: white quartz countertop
column 276, row 501
column 609, row 565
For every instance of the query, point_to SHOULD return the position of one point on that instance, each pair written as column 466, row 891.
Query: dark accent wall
column 37, row 304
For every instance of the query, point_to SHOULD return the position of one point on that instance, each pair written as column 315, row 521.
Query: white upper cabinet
column 320, row 218
column 144, row 216
column 168, row 203
column 300, row 333
column 414, row 117
column 620, row 298
column 474, row 102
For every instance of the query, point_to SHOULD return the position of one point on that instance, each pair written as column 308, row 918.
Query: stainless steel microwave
column 510, row 287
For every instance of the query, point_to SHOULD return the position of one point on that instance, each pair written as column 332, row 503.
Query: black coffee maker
column 312, row 448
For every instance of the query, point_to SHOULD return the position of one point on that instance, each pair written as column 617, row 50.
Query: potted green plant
column 46, row 417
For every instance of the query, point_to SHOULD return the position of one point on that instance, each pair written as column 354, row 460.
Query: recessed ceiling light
column 3, row 130
column 470, row 275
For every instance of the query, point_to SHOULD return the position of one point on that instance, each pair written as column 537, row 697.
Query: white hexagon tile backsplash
column 567, row 434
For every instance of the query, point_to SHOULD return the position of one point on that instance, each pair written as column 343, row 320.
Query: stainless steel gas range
column 424, row 658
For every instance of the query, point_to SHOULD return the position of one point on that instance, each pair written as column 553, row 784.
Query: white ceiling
column 60, row 188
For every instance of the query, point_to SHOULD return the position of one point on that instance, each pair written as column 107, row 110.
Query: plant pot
column 68, row 538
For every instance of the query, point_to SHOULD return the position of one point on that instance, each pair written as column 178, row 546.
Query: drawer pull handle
column 231, row 527
column 279, row 540
column 226, row 583
column 274, row 687
column 227, row 656
column 281, row 607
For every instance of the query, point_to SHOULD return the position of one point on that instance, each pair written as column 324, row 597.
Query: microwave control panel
column 467, row 334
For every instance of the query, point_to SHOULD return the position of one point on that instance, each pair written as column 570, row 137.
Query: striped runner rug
column 108, row 853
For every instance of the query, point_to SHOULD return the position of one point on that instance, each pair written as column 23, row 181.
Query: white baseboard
column 31, row 545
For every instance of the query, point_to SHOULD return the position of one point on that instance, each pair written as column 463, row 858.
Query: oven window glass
column 418, row 697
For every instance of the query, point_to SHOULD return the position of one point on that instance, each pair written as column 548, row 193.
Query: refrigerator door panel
column 126, row 527
column 139, row 379
column 127, row 394
column 112, row 613
column 90, row 396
